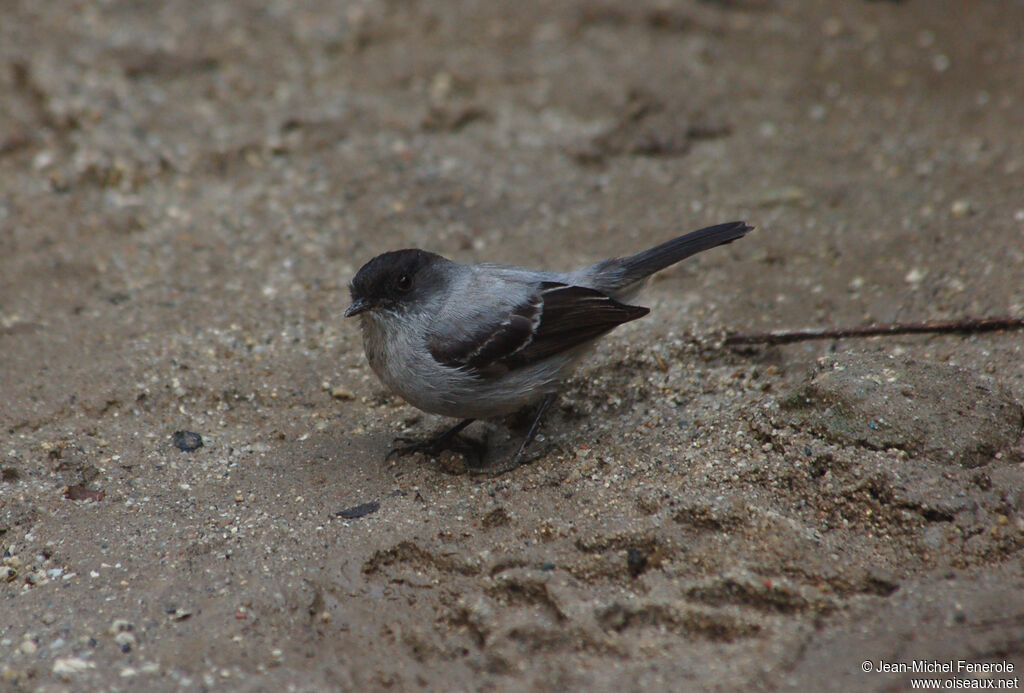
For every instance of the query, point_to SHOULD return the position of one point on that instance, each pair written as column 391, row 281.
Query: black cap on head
column 390, row 278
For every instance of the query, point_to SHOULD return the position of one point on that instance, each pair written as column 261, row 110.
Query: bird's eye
column 404, row 283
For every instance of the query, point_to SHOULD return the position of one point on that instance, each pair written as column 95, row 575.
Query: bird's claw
column 433, row 447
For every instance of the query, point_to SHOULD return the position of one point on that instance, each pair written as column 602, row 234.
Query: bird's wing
column 553, row 319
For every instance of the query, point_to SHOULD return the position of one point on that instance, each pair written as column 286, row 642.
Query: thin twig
column 888, row 328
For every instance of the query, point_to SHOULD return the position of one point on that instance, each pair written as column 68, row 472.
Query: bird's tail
column 630, row 270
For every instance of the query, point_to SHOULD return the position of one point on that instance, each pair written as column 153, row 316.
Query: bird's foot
column 432, row 447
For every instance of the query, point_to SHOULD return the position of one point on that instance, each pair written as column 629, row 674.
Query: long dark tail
column 669, row 253
column 647, row 262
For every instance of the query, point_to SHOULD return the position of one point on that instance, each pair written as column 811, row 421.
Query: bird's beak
column 358, row 306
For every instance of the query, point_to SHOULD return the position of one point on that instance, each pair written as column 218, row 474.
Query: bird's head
column 396, row 282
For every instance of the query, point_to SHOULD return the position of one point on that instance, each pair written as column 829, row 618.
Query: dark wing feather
column 557, row 318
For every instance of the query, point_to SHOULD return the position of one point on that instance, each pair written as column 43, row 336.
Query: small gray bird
column 481, row 341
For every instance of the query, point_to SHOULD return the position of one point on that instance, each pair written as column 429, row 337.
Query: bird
column 480, row 341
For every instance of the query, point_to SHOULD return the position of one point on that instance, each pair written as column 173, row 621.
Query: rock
column 948, row 414
column 341, row 393
column 961, row 208
column 187, row 441
column 125, row 640
column 66, row 667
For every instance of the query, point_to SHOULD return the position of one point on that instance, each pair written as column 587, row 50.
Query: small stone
column 66, row 667
column 126, row 640
column 342, row 393
column 187, row 441
column 961, row 208
column 7, row 574
column 48, row 618
column 28, row 647
column 915, row 276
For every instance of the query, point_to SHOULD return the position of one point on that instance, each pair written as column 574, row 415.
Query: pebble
column 126, row 640
column 341, row 393
column 914, row 276
column 187, row 441
column 68, row 666
column 48, row 618
column 961, row 208
column 28, row 647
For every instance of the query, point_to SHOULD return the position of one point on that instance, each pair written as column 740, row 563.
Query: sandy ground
column 186, row 189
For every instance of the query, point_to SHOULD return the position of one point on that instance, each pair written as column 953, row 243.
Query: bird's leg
column 517, row 459
column 431, row 446
column 534, row 427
